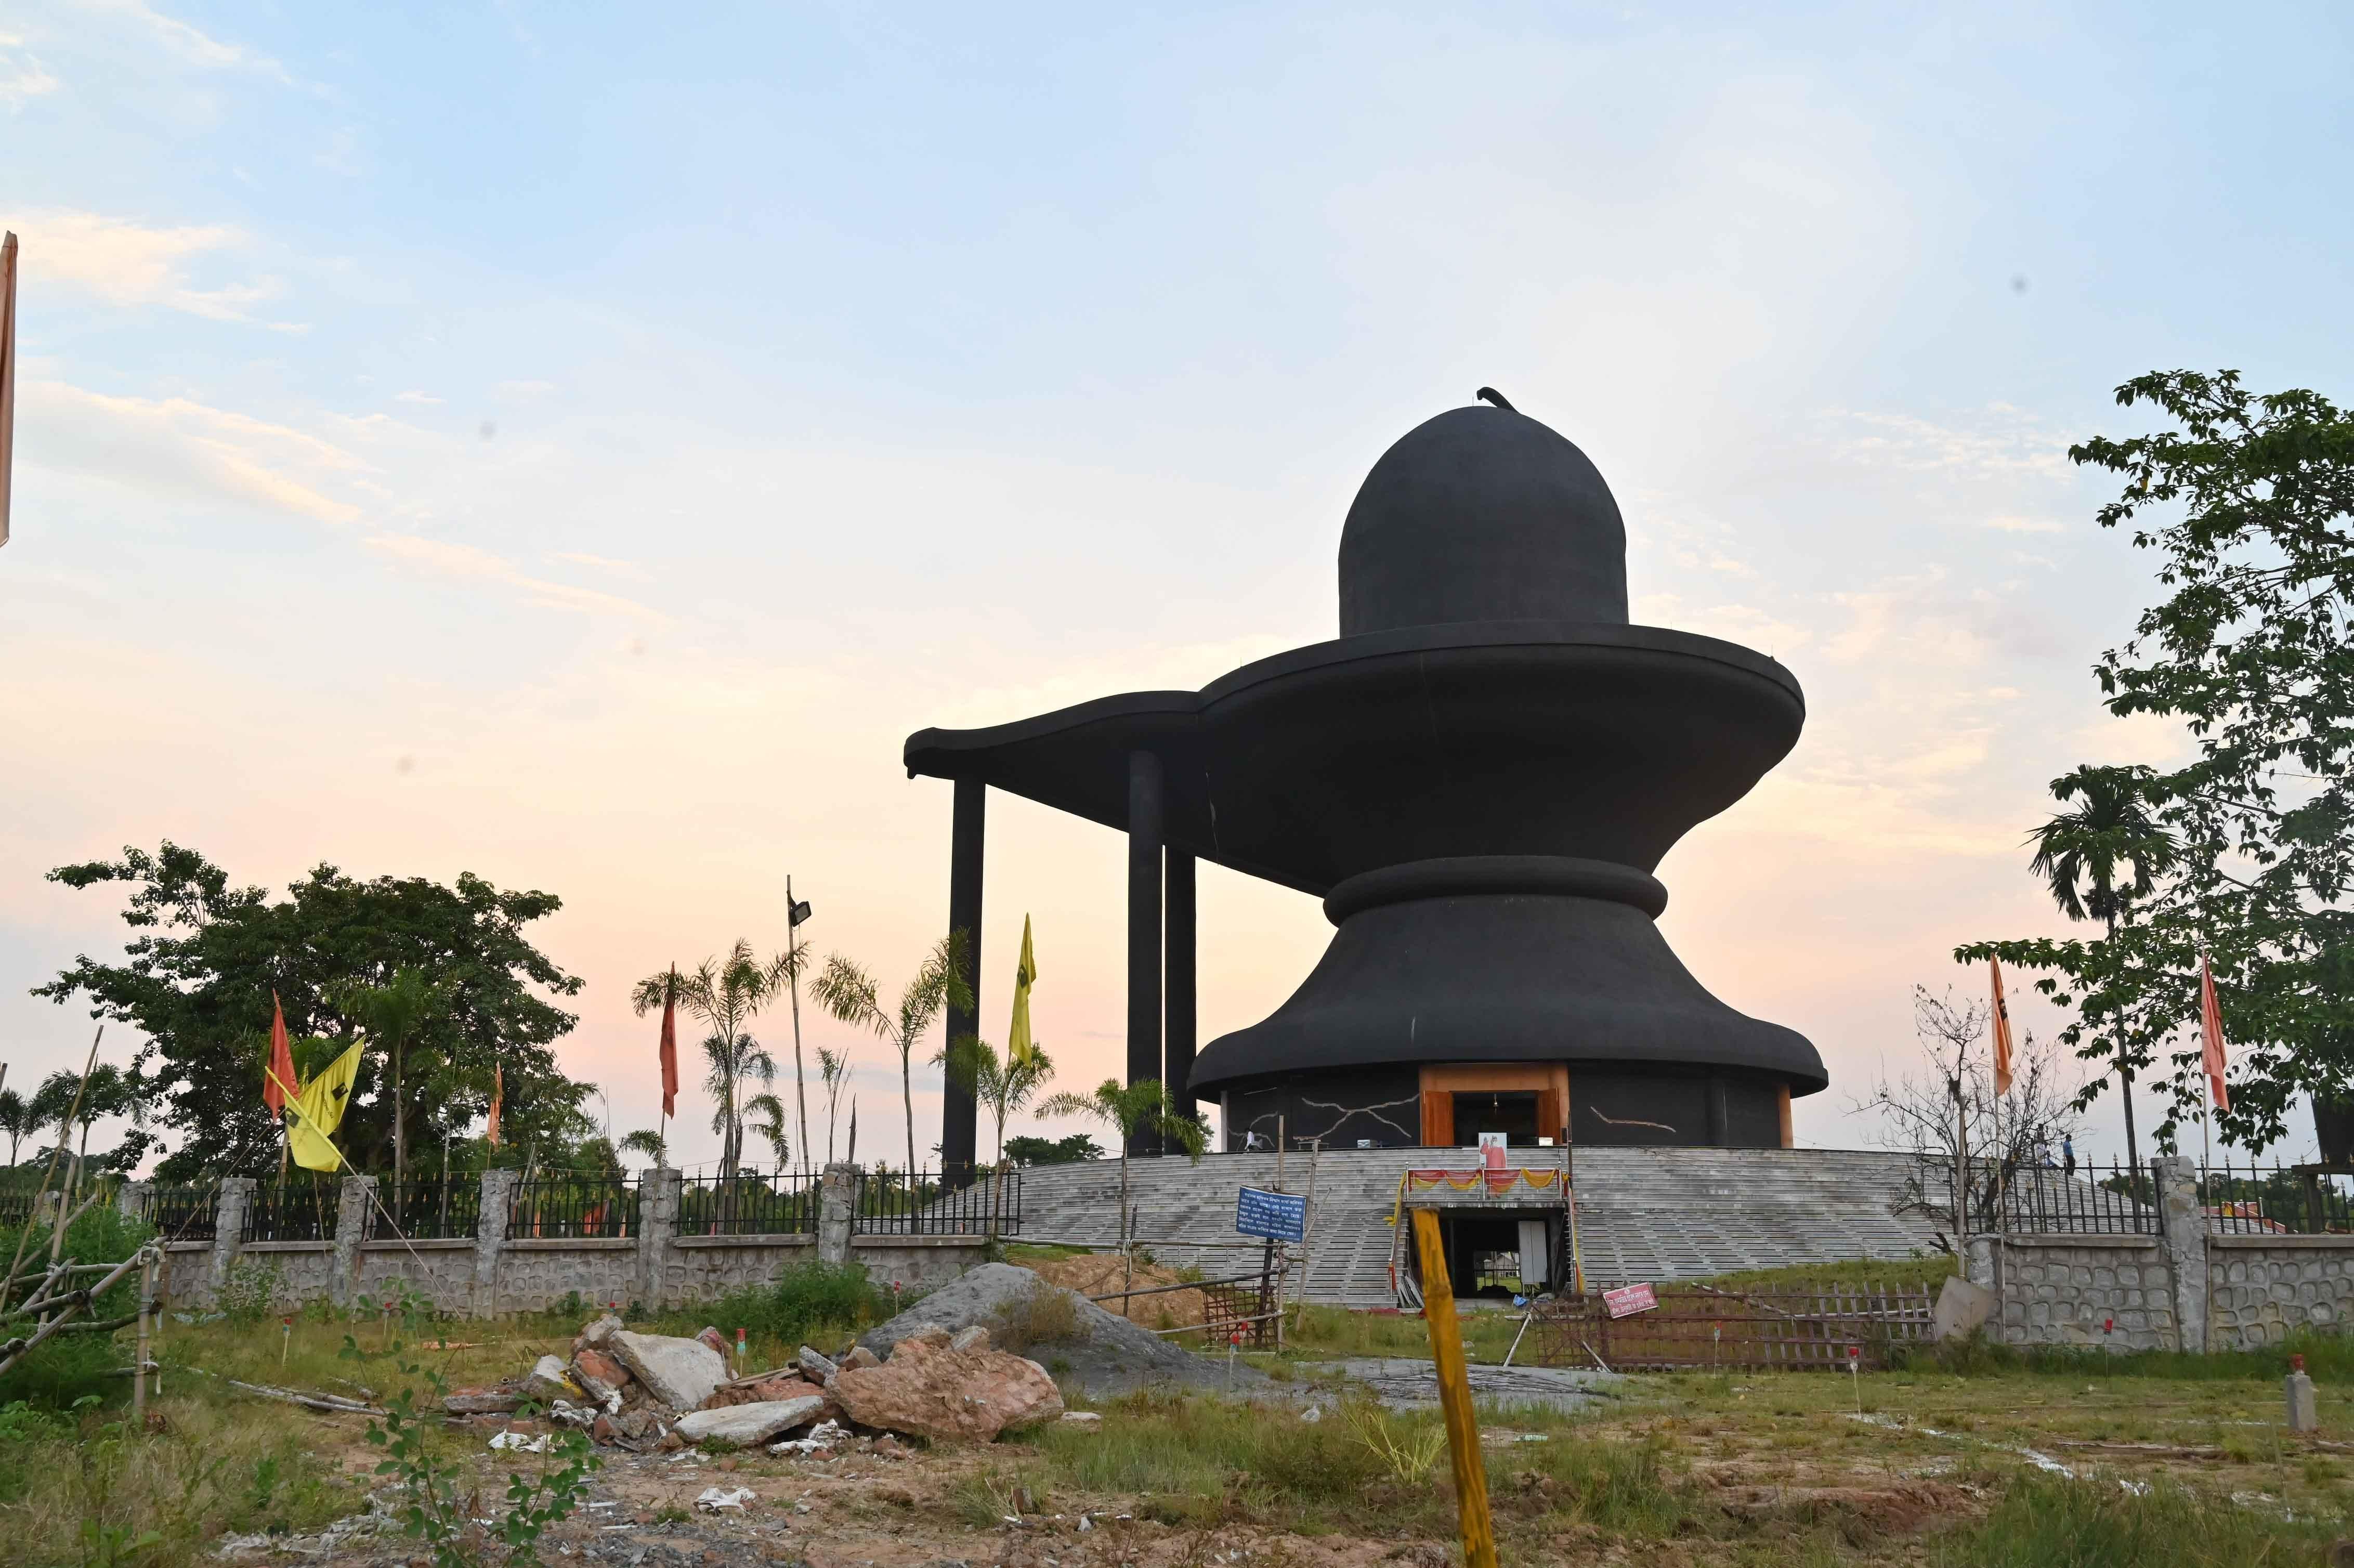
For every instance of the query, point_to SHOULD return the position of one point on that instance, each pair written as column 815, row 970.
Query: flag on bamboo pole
column 2001, row 1029
column 278, row 1080
column 2210, row 1030
column 669, row 1047
column 319, row 1111
column 1019, row 1047
column 7, row 374
column 498, row 1093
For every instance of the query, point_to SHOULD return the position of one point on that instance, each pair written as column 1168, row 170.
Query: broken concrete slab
column 680, row 1373
column 741, row 1425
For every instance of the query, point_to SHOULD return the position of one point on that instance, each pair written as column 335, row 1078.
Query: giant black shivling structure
column 1479, row 778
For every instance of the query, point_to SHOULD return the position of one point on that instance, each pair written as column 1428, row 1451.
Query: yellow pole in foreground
column 1455, row 1394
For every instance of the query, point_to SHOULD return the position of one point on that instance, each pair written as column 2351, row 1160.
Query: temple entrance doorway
column 1512, row 1112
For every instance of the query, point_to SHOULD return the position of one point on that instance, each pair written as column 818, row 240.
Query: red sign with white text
column 1629, row 1299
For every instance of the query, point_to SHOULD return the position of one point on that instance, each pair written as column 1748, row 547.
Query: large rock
column 550, row 1378
column 947, row 1395
column 740, row 1425
column 1100, row 1351
column 680, row 1373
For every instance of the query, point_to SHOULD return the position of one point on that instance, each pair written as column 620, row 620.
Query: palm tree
column 833, row 1071
column 789, row 965
column 53, row 1101
column 1143, row 1106
column 770, row 1110
column 2096, row 859
column 394, row 1013
column 850, row 993
column 727, row 1064
column 14, row 1120
column 1003, row 1085
column 726, row 993
column 644, row 1141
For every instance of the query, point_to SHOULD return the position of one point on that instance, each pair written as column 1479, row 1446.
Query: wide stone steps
column 1643, row 1213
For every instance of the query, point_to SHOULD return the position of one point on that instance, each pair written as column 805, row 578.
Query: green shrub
column 70, row 1367
column 838, row 1295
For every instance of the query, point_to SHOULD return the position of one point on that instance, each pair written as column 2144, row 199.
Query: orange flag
column 2210, row 1027
column 277, row 1080
column 498, row 1093
column 669, row 1044
column 2001, row 1029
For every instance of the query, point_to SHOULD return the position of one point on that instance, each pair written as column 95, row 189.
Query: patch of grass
column 1927, row 1272
column 70, row 1367
column 2047, row 1521
column 799, row 1300
column 1318, row 1332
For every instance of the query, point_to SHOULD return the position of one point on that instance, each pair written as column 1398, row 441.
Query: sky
column 577, row 444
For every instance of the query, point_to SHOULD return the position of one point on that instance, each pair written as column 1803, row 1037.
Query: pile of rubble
column 648, row 1391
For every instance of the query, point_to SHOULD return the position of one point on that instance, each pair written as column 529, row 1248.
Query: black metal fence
column 2279, row 1200
column 783, row 1203
column 184, row 1214
column 888, row 1204
column 296, row 1210
column 429, row 1210
column 573, row 1206
column 2069, row 1199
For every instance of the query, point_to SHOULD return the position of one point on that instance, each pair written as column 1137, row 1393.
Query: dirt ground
column 1100, row 1274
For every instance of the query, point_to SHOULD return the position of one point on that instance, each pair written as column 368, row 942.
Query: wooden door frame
column 1442, row 1082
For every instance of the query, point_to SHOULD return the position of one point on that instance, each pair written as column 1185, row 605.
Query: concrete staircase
column 1643, row 1213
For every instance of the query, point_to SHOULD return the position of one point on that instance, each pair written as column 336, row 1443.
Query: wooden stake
column 1455, row 1394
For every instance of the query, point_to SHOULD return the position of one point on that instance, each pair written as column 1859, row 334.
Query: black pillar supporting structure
column 1144, row 856
column 1178, row 1046
column 960, row 1117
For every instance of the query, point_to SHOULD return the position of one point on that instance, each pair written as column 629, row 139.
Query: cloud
column 446, row 558
column 128, row 264
column 177, row 448
column 415, row 397
column 2001, row 442
column 189, row 45
column 525, row 388
column 2011, row 524
column 22, row 76
column 630, row 569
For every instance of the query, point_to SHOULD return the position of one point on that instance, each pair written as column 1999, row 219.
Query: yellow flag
column 318, row 1110
column 1019, row 1047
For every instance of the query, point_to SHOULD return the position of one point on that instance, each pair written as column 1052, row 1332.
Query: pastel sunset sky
column 577, row 444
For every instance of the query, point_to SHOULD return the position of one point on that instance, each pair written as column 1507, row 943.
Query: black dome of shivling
column 1477, row 777
column 1481, row 515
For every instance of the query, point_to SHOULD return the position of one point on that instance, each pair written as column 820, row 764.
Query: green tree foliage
column 1030, row 1151
column 851, row 994
column 2247, row 501
column 205, row 956
column 726, row 993
column 16, row 1120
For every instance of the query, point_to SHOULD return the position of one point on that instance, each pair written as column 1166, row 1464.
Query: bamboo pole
column 1455, row 1395
column 146, row 1313
column 27, row 1233
column 15, row 1351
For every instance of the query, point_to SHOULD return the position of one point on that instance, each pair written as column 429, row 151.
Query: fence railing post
column 228, row 1230
column 660, row 1196
column 352, row 1206
column 131, row 1198
column 490, row 1241
column 2182, row 1237
column 836, row 1202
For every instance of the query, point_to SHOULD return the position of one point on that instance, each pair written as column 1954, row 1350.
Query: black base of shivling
column 1608, row 1104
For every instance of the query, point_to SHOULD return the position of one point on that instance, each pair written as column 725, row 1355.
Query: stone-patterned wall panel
column 2075, row 1291
column 2259, row 1295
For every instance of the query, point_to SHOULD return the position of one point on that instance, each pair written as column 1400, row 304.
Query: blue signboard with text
column 1278, row 1216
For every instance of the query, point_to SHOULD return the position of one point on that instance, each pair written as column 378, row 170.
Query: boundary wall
column 492, row 1273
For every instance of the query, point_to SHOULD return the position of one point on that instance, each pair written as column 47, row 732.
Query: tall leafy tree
column 2247, row 503
column 399, row 1016
column 205, row 957
column 1002, row 1084
column 14, row 1120
column 832, row 1071
column 852, row 995
column 2095, row 860
column 726, row 993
